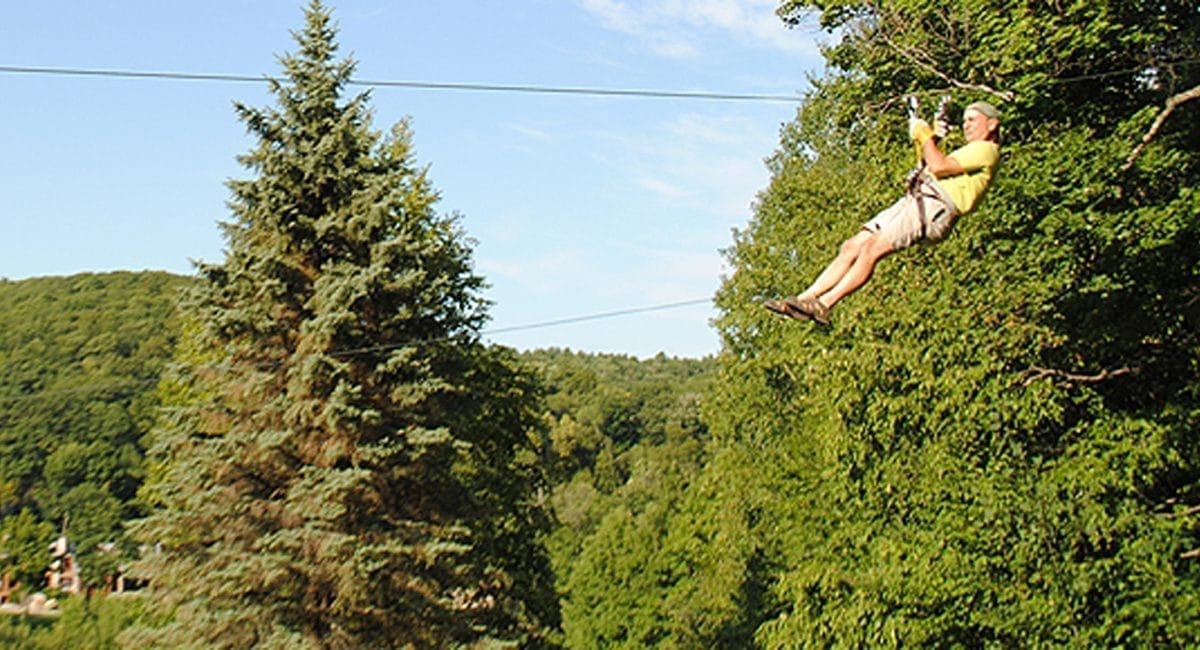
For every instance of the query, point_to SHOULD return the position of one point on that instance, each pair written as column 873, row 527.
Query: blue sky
column 579, row 205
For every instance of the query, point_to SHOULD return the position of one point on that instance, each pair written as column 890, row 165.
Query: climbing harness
column 919, row 184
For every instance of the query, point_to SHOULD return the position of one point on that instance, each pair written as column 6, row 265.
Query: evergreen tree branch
column 1172, row 103
column 1035, row 373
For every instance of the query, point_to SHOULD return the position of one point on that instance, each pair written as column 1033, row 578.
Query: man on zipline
column 949, row 186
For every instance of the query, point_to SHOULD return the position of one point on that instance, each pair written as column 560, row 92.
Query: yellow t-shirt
column 979, row 160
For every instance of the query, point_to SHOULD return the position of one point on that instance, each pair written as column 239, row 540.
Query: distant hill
column 80, row 357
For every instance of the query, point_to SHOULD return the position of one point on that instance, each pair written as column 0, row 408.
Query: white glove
column 941, row 128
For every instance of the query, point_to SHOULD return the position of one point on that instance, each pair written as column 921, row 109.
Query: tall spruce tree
column 344, row 464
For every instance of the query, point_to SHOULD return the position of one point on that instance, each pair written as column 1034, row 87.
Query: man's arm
column 938, row 163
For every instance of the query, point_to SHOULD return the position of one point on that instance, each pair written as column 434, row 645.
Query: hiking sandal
column 786, row 307
column 815, row 309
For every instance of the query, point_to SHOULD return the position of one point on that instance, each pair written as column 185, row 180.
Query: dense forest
column 308, row 444
column 80, row 358
column 996, row 443
column 84, row 356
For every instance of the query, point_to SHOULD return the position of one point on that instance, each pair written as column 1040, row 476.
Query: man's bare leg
column 871, row 249
column 847, row 255
column 850, row 270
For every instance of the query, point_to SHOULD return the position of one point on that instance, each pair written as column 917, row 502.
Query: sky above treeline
column 580, row 205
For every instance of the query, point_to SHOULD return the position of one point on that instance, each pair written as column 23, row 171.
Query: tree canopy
column 79, row 359
column 619, row 441
column 995, row 443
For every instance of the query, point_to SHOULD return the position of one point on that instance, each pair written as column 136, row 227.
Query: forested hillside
column 624, row 441
column 618, row 437
column 80, row 358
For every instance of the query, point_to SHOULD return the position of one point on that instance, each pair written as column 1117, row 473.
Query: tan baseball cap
column 985, row 108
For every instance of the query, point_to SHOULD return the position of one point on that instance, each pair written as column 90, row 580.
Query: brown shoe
column 786, row 307
column 815, row 309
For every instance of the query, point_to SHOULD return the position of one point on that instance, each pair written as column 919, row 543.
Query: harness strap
column 922, row 186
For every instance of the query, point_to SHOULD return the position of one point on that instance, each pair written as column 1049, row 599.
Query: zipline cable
column 528, row 326
column 418, row 85
column 599, row 316
column 499, row 88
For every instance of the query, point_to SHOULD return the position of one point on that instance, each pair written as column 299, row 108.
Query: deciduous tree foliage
column 996, row 443
column 344, row 464
column 24, row 539
column 84, row 623
column 626, row 444
column 79, row 358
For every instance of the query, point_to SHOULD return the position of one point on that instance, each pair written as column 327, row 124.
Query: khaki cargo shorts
column 902, row 224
